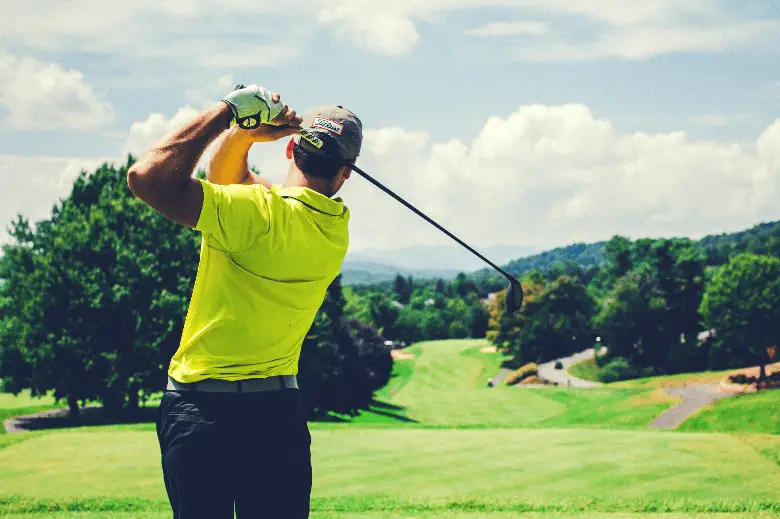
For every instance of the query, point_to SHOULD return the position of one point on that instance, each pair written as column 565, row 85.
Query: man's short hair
column 316, row 165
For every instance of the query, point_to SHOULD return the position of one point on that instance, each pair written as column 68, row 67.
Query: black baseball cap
column 339, row 129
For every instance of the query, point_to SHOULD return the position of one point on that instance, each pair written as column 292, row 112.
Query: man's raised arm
column 162, row 177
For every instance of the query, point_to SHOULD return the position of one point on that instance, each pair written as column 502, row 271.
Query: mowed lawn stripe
column 450, row 388
column 446, row 385
column 484, row 465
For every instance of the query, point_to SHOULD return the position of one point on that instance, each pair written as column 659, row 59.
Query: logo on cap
column 327, row 124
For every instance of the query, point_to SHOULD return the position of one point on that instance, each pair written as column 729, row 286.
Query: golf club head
column 514, row 296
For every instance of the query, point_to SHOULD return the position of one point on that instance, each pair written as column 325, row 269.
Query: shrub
column 519, row 374
column 620, row 369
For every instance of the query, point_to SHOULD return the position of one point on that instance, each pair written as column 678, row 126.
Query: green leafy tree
column 742, row 305
column 557, row 322
column 402, row 288
column 462, row 286
column 343, row 362
column 108, row 292
column 628, row 320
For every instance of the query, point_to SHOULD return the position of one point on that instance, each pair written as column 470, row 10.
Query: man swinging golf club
column 231, row 430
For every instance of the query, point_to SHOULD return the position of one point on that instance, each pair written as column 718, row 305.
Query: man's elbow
column 138, row 182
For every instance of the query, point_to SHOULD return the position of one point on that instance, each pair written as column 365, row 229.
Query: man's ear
column 290, row 148
column 347, row 172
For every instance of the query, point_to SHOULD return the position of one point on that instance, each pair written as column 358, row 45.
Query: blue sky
column 522, row 122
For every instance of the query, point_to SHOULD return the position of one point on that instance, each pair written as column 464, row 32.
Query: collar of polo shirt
column 313, row 199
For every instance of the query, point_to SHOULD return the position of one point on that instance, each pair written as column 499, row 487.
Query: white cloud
column 205, row 33
column 542, row 175
column 510, row 29
column 645, row 41
column 174, row 31
column 378, row 27
column 143, row 134
column 552, row 175
column 45, row 96
column 634, row 30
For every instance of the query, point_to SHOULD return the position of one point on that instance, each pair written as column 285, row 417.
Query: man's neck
column 297, row 179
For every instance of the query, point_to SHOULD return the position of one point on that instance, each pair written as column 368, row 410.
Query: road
column 694, row 398
column 548, row 372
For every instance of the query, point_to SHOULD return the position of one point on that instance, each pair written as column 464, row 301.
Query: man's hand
column 283, row 125
column 254, row 108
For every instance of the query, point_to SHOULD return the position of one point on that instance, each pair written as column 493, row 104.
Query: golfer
column 231, row 429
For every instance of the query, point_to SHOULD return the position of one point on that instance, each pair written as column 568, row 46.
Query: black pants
column 250, row 451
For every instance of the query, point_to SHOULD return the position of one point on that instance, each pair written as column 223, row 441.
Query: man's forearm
column 170, row 162
column 229, row 164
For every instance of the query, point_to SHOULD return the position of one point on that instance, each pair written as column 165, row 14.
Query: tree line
column 93, row 300
column 657, row 306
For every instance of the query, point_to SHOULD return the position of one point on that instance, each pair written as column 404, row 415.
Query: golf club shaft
column 425, row 217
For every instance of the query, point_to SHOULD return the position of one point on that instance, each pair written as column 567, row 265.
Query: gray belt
column 250, row 385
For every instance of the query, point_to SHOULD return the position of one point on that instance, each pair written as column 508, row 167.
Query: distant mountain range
column 422, row 261
column 442, row 261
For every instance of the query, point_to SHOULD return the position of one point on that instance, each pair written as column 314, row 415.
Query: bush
column 620, row 369
column 519, row 374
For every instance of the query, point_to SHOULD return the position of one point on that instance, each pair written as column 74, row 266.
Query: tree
column 462, row 286
column 505, row 329
column 557, row 323
column 742, row 305
column 106, row 299
column 343, row 362
column 618, row 254
column 402, row 288
column 650, row 316
column 628, row 320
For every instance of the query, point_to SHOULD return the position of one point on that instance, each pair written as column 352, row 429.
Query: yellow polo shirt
column 266, row 260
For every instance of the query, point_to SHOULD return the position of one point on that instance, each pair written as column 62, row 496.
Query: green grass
column 589, row 370
column 438, row 443
column 751, row 412
column 416, row 515
column 585, row 370
column 445, row 385
column 421, row 471
column 677, row 380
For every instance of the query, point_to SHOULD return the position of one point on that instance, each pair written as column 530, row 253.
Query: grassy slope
column 752, row 412
column 441, row 472
column 588, row 370
column 678, row 380
column 416, row 515
column 446, row 385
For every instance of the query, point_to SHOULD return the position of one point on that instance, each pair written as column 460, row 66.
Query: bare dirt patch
column 401, row 355
column 488, row 349
column 659, row 396
column 733, row 386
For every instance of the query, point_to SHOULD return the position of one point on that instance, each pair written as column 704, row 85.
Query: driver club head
column 514, row 296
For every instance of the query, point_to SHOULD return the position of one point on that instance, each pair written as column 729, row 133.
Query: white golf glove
column 252, row 106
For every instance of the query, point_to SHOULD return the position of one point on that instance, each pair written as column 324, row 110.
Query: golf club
column 514, row 294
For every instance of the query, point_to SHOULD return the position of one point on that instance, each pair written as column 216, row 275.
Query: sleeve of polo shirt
column 235, row 217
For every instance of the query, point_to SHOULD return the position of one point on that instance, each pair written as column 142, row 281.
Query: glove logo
column 249, row 122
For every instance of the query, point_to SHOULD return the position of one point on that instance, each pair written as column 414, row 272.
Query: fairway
column 440, row 444
column 420, row 469
column 445, row 385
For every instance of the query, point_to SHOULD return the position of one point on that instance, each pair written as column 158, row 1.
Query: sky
column 528, row 122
